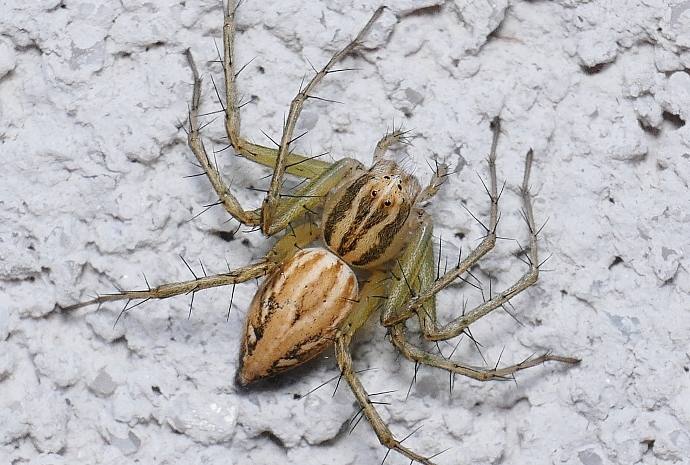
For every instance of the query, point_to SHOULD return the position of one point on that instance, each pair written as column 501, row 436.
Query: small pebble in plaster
column 127, row 445
column 8, row 59
column 589, row 457
column 103, row 385
column 204, row 420
column 593, row 51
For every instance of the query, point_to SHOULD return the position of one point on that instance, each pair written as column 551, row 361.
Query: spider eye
column 374, row 193
column 388, row 203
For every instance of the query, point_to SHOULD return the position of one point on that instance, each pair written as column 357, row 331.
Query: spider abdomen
column 296, row 313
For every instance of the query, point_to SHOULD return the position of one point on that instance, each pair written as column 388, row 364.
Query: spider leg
column 397, row 334
column 419, row 251
column 298, row 165
column 301, row 236
column 229, row 201
column 411, row 273
column 312, row 194
column 255, row 270
column 289, row 208
column 413, row 288
column 370, row 297
column 384, row 434
column 295, row 164
column 426, row 294
column 460, row 324
column 271, row 216
column 271, row 202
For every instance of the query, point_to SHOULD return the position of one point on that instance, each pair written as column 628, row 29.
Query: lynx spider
column 393, row 246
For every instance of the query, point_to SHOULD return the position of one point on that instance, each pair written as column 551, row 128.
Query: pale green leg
column 299, row 237
column 369, row 300
column 297, row 165
column 409, row 295
column 282, row 161
column 270, row 216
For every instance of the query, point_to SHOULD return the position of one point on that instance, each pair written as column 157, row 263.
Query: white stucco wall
column 96, row 190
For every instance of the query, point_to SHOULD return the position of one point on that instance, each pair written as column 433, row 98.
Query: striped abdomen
column 296, row 313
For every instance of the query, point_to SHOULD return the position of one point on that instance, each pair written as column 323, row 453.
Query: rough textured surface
column 96, row 189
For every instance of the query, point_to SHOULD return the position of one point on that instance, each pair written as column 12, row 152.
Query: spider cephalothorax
column 365, row 221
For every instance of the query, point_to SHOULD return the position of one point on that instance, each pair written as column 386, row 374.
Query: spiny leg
column 370, row 297
column 397, row 334
column 294, row 164
column 419, row 249
column 427, row 322
column 460, row 324
column 413, row 271
column 290, row 207
column 282, row 160
column 229, row 201
column 427, row 293
column 300, row 237
column 232, row 104
column 308, row 197
column 482, row 249
column 272, row 200
column 255, row 270
column 384, row 434
column 306, row 167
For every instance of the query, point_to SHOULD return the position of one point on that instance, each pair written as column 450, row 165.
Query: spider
column 372, row 221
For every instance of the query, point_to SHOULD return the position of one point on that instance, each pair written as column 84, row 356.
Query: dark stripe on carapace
column 341, row 208
column 386, row 237
column 349, row 241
